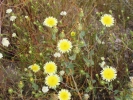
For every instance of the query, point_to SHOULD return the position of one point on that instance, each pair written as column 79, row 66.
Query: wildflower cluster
column 57, row 46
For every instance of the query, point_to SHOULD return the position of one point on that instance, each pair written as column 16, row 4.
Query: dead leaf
column 54, row 96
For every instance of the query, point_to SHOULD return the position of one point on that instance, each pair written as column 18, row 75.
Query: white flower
column 62, row 72
column 86, row 96
column 63, row 13
column 26, row 17
column 14, row 35
column 102, row 58
column 25, row 69
column 12, row 18
column 102, row 64
column 1, row 55
column 103, row 42
column 5, row 42
column 8, row 11
column 45, row 89
column 131, row 78
column 57, row 54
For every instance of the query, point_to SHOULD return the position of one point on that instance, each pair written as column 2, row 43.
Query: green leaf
column 35, row 86
column 93, row 81
column 110, row 87
column 91, row 62
column 82, row 44
column 69, row 68
column 54, row 36
column 116, row 92
column 69, row 65
column 73, row 57
column 88, row 62
column 91, row 53
column 82, row 34
column 69, row 71
column 117, row 98
column 98, row 40
column 87, row 90
column 87, row 75
column 61, row 79
column 131, row 32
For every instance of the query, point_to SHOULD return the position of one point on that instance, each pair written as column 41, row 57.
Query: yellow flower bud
column 20, row 85
column 73, row 33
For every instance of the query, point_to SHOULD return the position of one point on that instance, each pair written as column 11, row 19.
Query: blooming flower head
column 64, row 95
column 64, row 45
column 1, row 55
column 107, row 20
column 50, row 22
column 63, row 13
column 52, row 80
column 50, row 68
column 8, row 11
column 108, row 73
column 45, row 89
column 35, row 68
column 12, row 18
column 5, row 42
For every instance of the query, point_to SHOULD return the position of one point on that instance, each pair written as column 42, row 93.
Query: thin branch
column 76, row 87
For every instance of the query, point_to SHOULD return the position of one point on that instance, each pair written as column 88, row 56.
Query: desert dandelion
column 107, row 20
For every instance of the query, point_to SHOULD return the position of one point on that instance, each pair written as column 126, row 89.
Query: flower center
column 109, row 74
column 34, row 68
column 64, row 96
column 65, row 46
column 107, row 20
column 51, row 22
column 53, row 81
column 50, row 68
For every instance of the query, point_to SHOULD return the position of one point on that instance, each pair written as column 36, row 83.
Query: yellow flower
column 108, row 73
column 50, row 21
column 52, row 81
column 50, row 68
column 73, row 34
column 35, row 68
column 64, row 95
column 64, row 45
column 107, row 20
